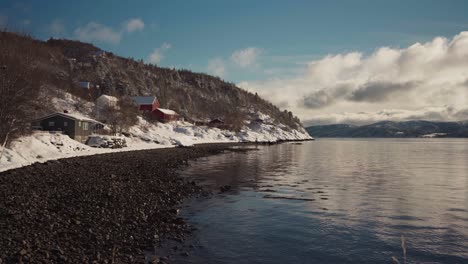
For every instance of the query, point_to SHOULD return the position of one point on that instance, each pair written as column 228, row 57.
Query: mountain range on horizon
column 391, row 129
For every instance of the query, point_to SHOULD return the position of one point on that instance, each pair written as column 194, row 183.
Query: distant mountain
column 388, row 129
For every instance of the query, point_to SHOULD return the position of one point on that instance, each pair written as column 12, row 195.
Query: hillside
column 392, row 129
column 42, row 77
column 196, row 96
column 193, row 95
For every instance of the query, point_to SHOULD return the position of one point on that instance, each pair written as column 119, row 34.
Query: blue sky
column 284, row 31
column 241, row 41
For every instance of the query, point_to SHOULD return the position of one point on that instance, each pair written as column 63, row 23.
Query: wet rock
column 224, row 188
column 174, row 211
column 103, row 208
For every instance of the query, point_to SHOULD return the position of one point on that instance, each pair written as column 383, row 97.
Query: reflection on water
column 334, row 201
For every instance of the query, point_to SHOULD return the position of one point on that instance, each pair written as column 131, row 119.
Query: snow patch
column 43, row 146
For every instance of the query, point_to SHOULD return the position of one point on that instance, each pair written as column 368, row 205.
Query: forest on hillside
column 34, row 71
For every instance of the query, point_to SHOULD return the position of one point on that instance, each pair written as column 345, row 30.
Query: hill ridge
column 387, row 128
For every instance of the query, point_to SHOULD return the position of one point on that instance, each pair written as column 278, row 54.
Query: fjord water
column 334, row 201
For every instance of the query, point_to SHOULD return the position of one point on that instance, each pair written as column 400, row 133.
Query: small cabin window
column 79, row 123
column 65, row 123
column 85, row 126
column 51, row 123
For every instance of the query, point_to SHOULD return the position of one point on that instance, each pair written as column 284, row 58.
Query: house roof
column 217, row 120
column 144, row 100
column 167, row 111
column 74, row 116
column 107, row 98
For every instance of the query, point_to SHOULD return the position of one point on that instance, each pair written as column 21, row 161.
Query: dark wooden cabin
column 217, row 122
column 76, row 127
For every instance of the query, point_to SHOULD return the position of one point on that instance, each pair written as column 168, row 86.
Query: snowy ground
column 43, row 146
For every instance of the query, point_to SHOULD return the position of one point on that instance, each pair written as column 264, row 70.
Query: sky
column 328, row 62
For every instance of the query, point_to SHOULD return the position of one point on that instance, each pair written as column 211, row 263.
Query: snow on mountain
column 72, row 104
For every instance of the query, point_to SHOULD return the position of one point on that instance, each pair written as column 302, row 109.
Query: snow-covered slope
column 43, row 146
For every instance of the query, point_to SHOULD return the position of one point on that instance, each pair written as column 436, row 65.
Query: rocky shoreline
column 108, row 208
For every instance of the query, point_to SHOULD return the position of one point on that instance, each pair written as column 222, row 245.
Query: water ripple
column 335, row 201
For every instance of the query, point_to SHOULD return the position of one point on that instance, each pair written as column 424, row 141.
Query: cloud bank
column 423, row 81
column 443, row 113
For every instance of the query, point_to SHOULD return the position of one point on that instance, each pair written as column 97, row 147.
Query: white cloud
column 94, row 31
column 158, row 54
column 217, row 67
column 355, row 86
column 247, row 57
column 97, row 32
column 56, row 28
column 134, row 24
column 26, row 22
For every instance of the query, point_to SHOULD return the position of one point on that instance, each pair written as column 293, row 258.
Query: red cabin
column 164, row 115
column 146, row 104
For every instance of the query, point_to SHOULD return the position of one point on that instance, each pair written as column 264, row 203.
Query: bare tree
column 21, row 79
column 235, row 120
column 122, row 116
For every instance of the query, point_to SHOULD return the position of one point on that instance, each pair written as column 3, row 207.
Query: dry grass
column 403, row 248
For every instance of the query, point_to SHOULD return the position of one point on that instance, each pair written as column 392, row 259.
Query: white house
column 103, row 102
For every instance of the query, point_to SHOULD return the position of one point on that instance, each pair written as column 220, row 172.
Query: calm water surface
column 334, row 201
